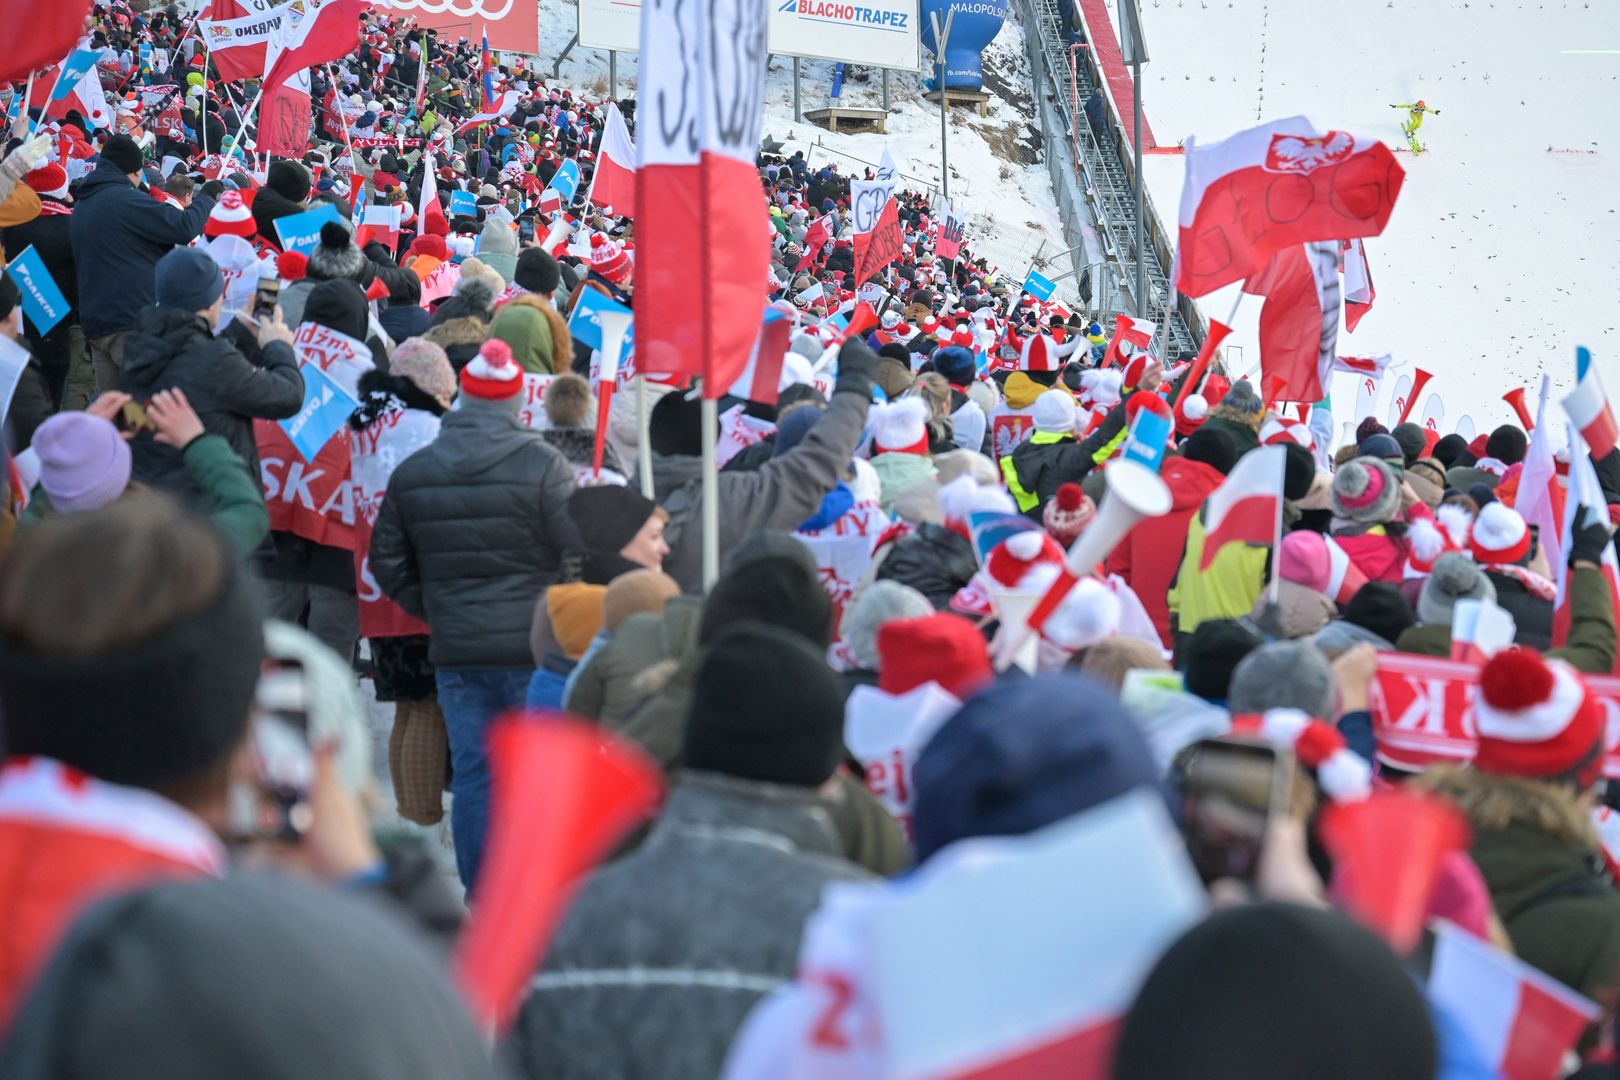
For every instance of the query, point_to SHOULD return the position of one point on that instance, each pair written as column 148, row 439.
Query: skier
column 1414, row 120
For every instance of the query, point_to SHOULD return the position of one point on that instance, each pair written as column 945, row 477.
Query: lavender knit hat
column 83, row 461
column 426, row 365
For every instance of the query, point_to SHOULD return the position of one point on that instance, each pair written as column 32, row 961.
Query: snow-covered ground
column 996, row 171
column 1504, row 251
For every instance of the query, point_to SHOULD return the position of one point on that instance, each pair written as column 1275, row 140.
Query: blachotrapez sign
column 974, row 25
column 879, row 33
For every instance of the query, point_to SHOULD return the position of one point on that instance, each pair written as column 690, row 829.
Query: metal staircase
column 1065, row 82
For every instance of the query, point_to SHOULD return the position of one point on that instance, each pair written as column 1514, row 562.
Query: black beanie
column 148, row 714
column 537, row 271
column 1412, row 441
column 288, row 179
column 1448, row 449
column 1378, row 606
column 1272, row 991
column 1507, row 444
column 1209, row 446
column 1299, row 470
column 609, row 516
column 777, row 589
column 765, row 707
column 1212, row 654
column 676, row 426
column 339, row 305
column 896, row 351
column 124, row 154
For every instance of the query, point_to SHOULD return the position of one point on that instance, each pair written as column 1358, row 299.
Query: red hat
column 1011, row 561
column 231, row 217
column 492, row 375
column 1499, row 536
column 941, row 647
column 1343, row 775
column 49, row 179
column 1190, row 413
column 1536, row 719
column 1136, row 369
column 609, row 259
column 1068, row 513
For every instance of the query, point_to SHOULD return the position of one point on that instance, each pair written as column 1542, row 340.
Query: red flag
column 703, row 241
column 1271, row 187
column 284, row 117
column 1139, row 332
column 816, row 237
column 312, row 32
column 238, row 37
column 614, row 181
column 1246, row 508
column 1299, row 323
column 1358, row 284
column 761, row 380
column 38, row 33
column 881, row 246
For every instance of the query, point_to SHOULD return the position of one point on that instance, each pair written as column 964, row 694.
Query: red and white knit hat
column 1280, row 431
column 1536, row 719
column 231, row 216
column 49, row 179
column 1499, row 536
column 1191, row 411
column 899, row 427
column 1024, row 560
column 1431, row 537
column 1341, row 773
column 1136, row 369
column 609, row 259
column 492, row 374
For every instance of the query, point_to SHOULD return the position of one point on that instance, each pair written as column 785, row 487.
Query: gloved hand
column 27, row 157
column 857, row 368
column 1589, row 535
column 214, row 189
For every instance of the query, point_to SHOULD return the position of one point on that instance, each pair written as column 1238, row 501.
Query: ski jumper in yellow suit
column 1414, row 116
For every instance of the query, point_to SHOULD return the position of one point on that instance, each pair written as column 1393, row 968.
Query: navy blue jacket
column 119, row 233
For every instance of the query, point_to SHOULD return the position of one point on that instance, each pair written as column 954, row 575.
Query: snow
column 1502, row 254
column 997, row 173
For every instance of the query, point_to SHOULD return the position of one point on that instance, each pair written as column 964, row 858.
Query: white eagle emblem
column 1296, row 153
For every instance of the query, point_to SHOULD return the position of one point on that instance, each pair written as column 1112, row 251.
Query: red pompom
column 1316, row 743
column 1150, row 402
column 1069, row 496
column 1515, row 679
column 496, row 351
column 292, row 265
column 598, row 239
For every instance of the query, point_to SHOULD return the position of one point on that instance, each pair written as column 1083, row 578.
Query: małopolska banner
column 514, row 25
column 975, row 24
column 880, row 33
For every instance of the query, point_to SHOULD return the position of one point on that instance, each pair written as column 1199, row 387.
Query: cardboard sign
column 76, row 67
column 1423, row 712
column 1149, row 434
column 463, row 204
column 1041, row 288
column 565, row 181
column 585, row 322
column 42, row 301
column 302, row 232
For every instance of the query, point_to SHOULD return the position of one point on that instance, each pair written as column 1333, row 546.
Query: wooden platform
column 976, row 98
column 834, row 115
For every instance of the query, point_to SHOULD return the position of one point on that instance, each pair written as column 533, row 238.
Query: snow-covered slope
column 994, row 161
column 1504, row 251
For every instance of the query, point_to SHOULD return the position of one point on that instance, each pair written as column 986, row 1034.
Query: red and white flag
column 312, row 33
column 1272, row 187
column 285, row 116
column 816, row 237
column 761, row 380
column 430, row 219
column 1299, row 322
column 1372, row 366
column 1248, row 506
column 87, row 97
column 505, row 105
column 1345, row 578
column 1521, row 1021
column 1584, row 489
column 1540, row 499
column 1139, row 332
column 1589, row 407
column 238, row 37
column 614, row 181
column 1358, row 284
column 699, row 217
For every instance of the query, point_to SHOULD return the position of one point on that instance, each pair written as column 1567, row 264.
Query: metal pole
column 942, row 35
column 711, row 494
column 613, row 75
column 798, row 113
column 1141, row 238
column 643, row 443
column 885, row 89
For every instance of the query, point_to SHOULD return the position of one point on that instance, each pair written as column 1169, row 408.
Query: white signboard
column 879, row 33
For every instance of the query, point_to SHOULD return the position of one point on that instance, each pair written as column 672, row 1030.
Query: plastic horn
column 1418, row 384
column 1212, row 340
column 862, row 319
column 560, row 229
column 1515, row 398
column 1271, row 388
column 1015, row 644
column 1134, row 492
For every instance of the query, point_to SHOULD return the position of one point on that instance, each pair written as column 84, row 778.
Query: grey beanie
column 1243, row 398
column 187, row 280
column 336, row 258
column 1453, row 578
column 1284, row 675
column 880, row 602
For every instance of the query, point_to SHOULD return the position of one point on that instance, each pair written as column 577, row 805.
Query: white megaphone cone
column 1014, row 643
column 559, row 231
column 614, row 325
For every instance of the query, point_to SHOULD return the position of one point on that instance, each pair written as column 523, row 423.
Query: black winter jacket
column 1532, row 616
column 935, row 561
column 228, row 389
column 472, row 528
column 119, row 233
column 1042, row 468
column 49, row 235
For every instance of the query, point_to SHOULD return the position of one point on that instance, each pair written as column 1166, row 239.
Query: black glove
column 214, row 189
column 857, row 368
column 1588, row 538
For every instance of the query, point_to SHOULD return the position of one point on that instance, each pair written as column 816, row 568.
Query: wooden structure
column 834, row 115
column 975, row 98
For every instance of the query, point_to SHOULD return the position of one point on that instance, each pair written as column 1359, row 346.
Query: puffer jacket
column 1046, row 461
column 663, row 953
column 174, row 350
column 935, row 560
column 119, row 233
column 1532, row 616
column 1534, row 843
column 1148, row 555
column 472, row 528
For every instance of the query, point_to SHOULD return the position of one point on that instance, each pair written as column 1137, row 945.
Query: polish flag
column 87, row 97
column 429, row 214
column 1589, row 408
column 312, row 33
column 761, row 380
column 1299, row 322
column 1584, row 489
column 1521, row 1021
column 1247, row 508
column 1373, row 366
column 1358, row 284
column 816, row 237
column 699, row 217
column 1272, row 187
column 238, row 37
column 285, row 115
column 1540, row 498
column 1345, row 579
column 614, row 181
column 1138, row 332
column 503, row 106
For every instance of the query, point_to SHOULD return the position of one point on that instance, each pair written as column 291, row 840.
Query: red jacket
column 66, row 840
column 1150, row 553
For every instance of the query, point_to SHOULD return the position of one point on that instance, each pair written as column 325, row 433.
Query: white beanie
column 899, row 427
column 1054, row 412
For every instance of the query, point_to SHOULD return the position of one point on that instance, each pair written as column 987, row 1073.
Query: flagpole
column 1274, row 586
column 643, row 445
column 22, row 110
column 202, row 108
column 711, row 493
column 343, row 121
column 241, row 129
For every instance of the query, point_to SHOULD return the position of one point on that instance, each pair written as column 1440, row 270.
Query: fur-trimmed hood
column 1494, row 803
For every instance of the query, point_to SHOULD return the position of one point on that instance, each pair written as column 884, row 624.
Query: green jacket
column 235, row 500
column 1590, row 647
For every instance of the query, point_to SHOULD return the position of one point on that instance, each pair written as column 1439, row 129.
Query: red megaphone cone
column 564, row 792
column 1515, row 398
column 1386, row 851
column 1418, row 383
column 1271, row 388
column 1206, row 352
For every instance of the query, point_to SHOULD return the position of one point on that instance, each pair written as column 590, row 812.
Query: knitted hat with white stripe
column 1499, row 536
column 492, row 375
column 1341, row 773
column 1537, row 719
column 899, row 427
column 231, row 216
column 1012, row 562
column 1279, row 431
